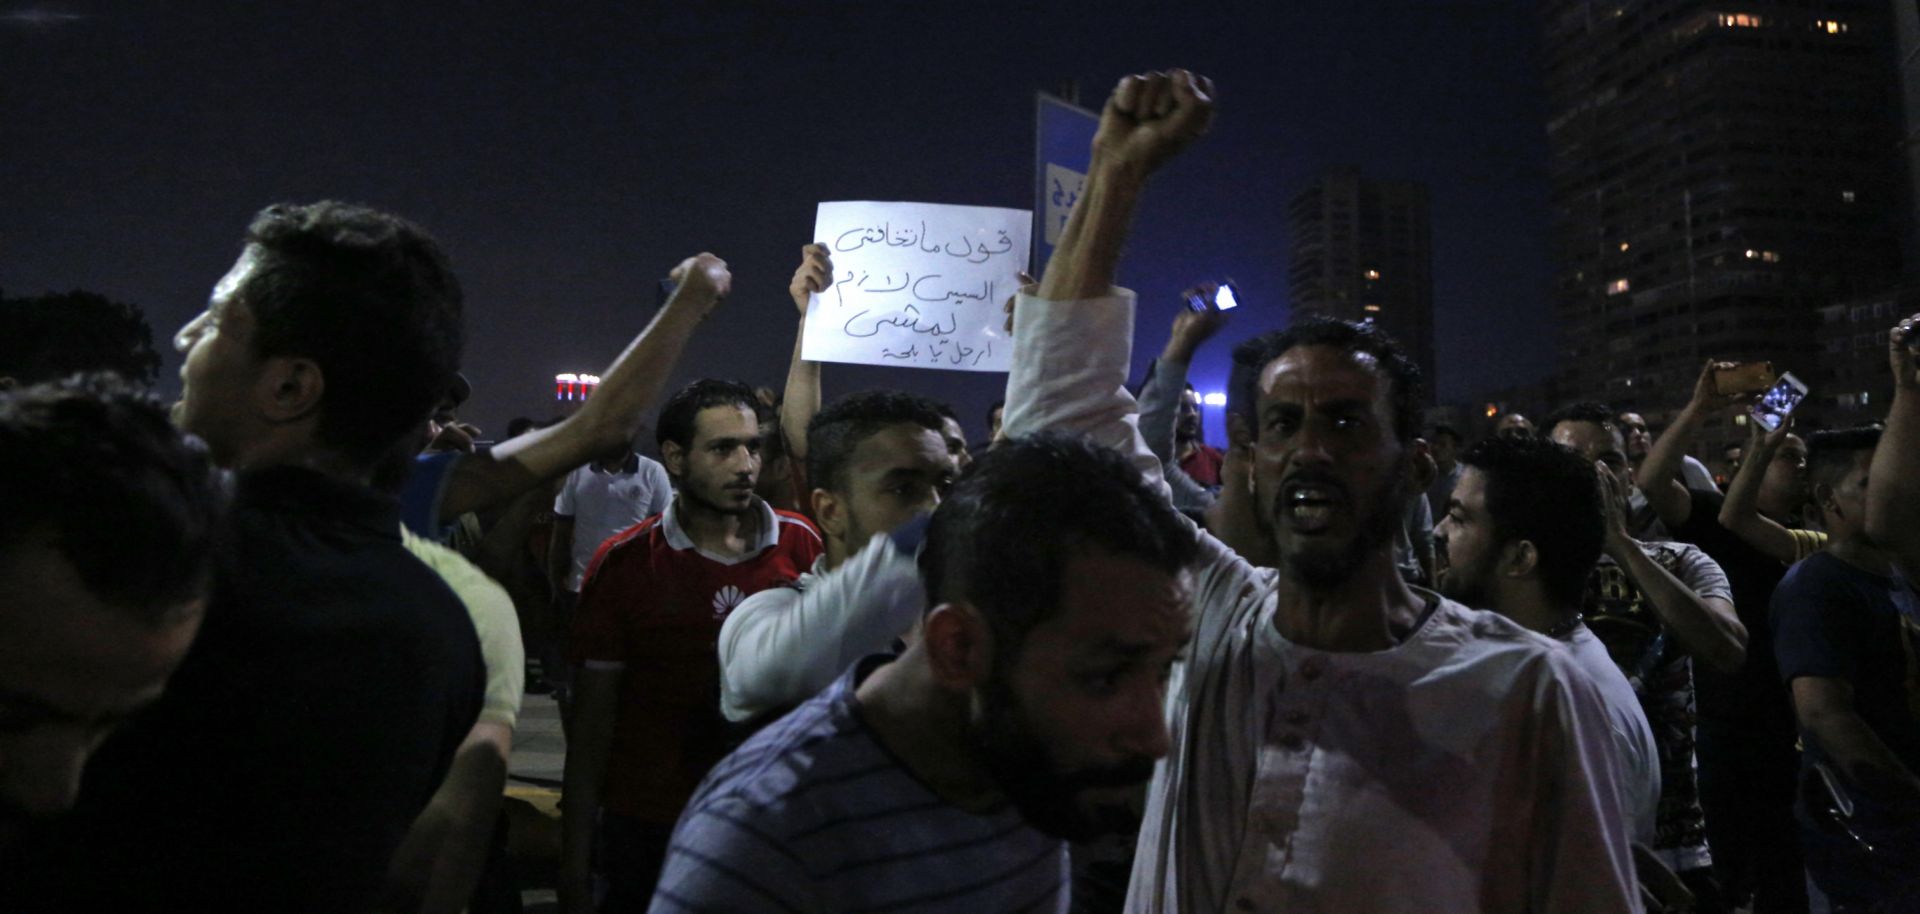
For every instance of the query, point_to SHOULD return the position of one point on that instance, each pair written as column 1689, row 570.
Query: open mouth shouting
column 1309, row 506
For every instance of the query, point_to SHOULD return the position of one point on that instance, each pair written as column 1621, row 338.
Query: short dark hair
column 48, row 337
column 1546, row 494
column 1584, row 411
column 678, row 415
column 131, row 503
column 1444, row 430
column 1002, row 540
column 1830, row 455
column 372, row 300
column 837, row 430
column 1253, row 356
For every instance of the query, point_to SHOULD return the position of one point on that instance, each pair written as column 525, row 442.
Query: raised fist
column 1152, row 116
column 703, row 275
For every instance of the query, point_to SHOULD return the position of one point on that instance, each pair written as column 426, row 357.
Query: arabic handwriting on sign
column 906, row 277
column 913, row 352
column 855, row 238
column 932, row 295
column 868, row 235
column 840, row 288
column 909, row 319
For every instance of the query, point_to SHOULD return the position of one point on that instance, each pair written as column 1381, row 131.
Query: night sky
column 568, row 156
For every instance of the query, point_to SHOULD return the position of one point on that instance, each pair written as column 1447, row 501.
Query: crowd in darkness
column 267, row 651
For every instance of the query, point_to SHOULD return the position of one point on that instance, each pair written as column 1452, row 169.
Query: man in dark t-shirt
column 335, row 675
column 1846, row 631
column 1746, row 733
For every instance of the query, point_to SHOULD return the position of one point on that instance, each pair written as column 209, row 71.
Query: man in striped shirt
column 948, row 779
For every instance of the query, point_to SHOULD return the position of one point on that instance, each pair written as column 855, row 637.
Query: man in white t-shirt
column 597, row 501
column 1340, row 741
column 1523, row 530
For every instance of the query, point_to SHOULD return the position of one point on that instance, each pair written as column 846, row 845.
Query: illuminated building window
column 1763, row 256
column 1618, row 286
column 1371, row 309
column 1741, row 21
column 1846, row 196
column 1373, row 274
column 1624, row 245
column 1830, row 26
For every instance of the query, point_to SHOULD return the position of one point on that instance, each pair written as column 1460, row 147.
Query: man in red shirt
column 1198, row 459
column 646, row 720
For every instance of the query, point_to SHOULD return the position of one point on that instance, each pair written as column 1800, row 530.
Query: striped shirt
column 813, row 814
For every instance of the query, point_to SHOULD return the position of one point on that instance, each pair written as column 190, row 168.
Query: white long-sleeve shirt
column 1467, row 768
column 783, row 645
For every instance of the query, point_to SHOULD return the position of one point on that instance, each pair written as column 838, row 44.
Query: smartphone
column 1744, row 378
column 1779, row 401
column 1226, row 298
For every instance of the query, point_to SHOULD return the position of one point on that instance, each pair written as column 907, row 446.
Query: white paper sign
column 918, row 285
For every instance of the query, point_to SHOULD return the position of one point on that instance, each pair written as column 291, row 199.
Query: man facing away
column 334, row 675
column 598, row 500
column 1339, row 740
column 646, row 723
column 949, row 778
column 1522, row 534
column 105, row 552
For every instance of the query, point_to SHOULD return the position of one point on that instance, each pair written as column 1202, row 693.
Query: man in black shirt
column 1846, row 630
column 1748, row 761
column 334, row 675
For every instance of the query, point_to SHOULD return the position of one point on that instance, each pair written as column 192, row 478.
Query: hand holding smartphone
column 1225, row 298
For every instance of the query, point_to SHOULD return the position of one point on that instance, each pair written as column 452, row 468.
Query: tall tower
column 1721, row 172
column 1363, row 249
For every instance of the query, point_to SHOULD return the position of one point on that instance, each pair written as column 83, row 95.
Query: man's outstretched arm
column 610, row 418
column 1893, row 481
column 1074, row 378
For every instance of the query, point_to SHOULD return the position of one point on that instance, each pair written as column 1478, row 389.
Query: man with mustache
column 1340, row 741
column 646, row 724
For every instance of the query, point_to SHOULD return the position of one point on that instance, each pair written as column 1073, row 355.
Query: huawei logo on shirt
column 725, row 599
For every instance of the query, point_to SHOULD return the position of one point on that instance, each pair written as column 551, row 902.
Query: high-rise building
column 1721, row 172
column 1363, row 249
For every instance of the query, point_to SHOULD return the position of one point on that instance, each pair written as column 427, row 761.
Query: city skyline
column 567, row 161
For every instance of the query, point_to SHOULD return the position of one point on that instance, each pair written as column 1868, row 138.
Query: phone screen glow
column 1224, row 299
column 1777, row 404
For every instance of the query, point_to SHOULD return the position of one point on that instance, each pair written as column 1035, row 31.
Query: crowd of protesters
column 267, row 653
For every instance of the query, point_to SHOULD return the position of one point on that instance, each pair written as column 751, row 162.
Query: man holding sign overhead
column 916, row 284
